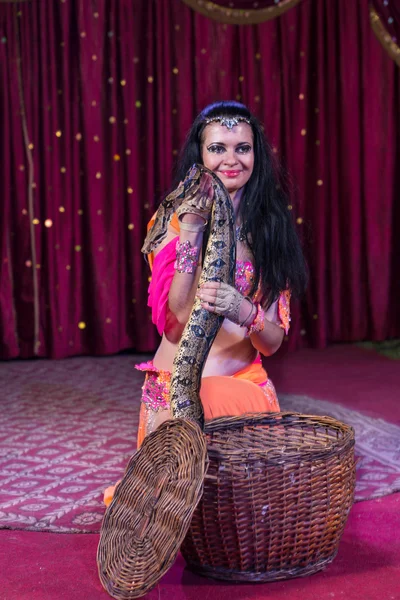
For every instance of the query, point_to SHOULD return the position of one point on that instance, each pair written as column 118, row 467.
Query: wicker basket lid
column 152, row 508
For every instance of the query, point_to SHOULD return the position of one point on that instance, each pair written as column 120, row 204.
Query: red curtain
column 96, row 97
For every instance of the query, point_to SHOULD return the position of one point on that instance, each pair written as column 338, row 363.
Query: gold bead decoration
column 257, row 98
column 96, row 138
column 320, row 182
column 58, row 133
column 98, row 175
column 290, row 207
column 108, row 320
column 317, row 142
column 129, row 190
column 241, row 78
column 94, row 103
column 24, row 211
column 82, row 325
column 301, row 96
column 21, row 167
column 63, row 170
column 80, row 211
column 31, row 146
column 61, row 209
column 38, row 266
column 315, row 317
column 96, row 15
column 78, row 248
column 28, row 263
column 112, row 119
column 203, row 51
column 33, row 185
column 100, row 248
column 175, row 71
column 48, row 223
column 150, row 79
column 138, row 104
column 304, row 132
column 135, row 60
column 116, row 157
column 258, row 56
column 99, row 212
column 123, row 82
column 78, row 137
column 83, row 34
column 126, row 121
column 131, row 226
column 94, row 56
column 35, row 221
column 299, row 221
column 68, row 267
column 128, row 152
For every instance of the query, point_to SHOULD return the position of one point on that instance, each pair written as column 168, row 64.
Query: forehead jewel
column 228, row 122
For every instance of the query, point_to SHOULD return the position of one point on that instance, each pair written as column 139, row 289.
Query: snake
column 218, row 265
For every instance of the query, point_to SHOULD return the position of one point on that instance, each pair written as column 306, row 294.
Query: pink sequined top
column 163, row 272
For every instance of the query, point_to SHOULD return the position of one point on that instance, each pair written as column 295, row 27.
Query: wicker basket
column 277, row 495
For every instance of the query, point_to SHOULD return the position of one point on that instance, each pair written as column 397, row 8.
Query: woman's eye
column 244, row 149
column 215, row 149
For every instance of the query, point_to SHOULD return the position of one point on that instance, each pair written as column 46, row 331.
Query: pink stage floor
column 53, row 566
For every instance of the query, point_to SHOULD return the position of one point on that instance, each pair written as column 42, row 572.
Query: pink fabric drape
column 121, row 83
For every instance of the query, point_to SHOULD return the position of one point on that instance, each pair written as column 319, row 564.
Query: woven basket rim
column 277, row 418
column 277, row 454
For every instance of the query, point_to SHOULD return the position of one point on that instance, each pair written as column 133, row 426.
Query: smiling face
column 229, row 154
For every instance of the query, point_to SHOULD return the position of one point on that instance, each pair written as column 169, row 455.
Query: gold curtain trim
column 383, row 36
column 31, row 210
column 236, row 16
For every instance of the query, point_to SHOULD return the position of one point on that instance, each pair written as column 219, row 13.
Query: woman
column 228, row 140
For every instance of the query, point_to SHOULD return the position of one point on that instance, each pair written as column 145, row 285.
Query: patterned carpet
column 68, row 428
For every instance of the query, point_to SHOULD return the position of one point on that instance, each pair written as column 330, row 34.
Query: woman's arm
column 184, row 284
column 269, row 340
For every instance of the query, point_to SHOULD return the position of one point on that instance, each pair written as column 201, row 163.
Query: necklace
column 240, row 233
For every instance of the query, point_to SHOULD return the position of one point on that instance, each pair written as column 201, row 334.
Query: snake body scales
column 218, row 265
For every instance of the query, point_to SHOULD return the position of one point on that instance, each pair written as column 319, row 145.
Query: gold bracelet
column 193, row 227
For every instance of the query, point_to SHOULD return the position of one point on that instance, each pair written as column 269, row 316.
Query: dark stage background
column 95, row 100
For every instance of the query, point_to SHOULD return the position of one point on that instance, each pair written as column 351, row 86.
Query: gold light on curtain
column 236, row 16
column 383, row 36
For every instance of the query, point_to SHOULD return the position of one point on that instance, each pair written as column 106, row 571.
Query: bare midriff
column 230, row 352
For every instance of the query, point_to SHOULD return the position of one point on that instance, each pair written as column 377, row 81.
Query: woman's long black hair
column 279, row 261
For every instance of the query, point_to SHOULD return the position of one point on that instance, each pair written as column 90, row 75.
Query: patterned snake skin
column 218, row 265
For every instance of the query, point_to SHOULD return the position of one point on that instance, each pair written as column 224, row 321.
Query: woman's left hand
column 223, row 299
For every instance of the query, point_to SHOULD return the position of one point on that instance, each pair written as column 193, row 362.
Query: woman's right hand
column 198, row 201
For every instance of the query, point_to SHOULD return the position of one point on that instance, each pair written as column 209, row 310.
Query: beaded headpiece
column 228, row 122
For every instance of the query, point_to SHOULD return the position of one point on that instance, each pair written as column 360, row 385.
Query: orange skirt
column 247, row 391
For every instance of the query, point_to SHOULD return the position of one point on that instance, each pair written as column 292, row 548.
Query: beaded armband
column 186, row 257
column 258, row 323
